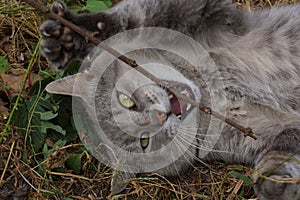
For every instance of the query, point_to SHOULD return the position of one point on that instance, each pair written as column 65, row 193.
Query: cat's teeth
column 185, row 92
column 188, row 106
column 179, row 116
column 171, row 96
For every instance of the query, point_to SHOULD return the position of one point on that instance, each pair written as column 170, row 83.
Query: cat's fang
column 188, row 107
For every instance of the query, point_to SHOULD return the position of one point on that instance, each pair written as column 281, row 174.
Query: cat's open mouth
column 179, row 107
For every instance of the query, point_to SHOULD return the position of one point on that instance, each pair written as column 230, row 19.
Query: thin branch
column 132, row 63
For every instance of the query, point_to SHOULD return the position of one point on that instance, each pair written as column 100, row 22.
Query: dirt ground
column 29, row 174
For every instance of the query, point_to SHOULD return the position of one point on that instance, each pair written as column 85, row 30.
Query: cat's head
column 138, row 126
column 151, row 129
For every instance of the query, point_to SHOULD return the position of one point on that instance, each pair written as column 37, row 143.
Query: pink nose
column 161, row 117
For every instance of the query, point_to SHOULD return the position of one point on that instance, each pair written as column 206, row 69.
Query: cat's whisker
column 191, row 130
column 191, row 154
column 200, row 147
column 194, row 128
column 175, row 166
column 188, row 152
column 187, row 135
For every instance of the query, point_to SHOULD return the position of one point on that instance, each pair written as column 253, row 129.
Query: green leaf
column 237, row 167
column 45, row 150
column 4, row 66
column 48, row 125
column 20, row 117
column 59, row 75
column 38, row 86
column 72, row 68
column 69, row 2
column 74, row 163
column 238, row 175
column 4, row 86
column 36, row 138
column 59, row 143
column 108, row 3
column 48, row 115
column 76, row 9
column 94, row 6
column 44, row 73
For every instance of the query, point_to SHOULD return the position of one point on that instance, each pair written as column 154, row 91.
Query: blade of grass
column 5, row 131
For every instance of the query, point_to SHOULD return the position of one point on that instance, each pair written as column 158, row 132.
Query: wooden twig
column 132, row 63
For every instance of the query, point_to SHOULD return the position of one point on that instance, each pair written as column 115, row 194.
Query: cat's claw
column 100, row 26
column 59, row 8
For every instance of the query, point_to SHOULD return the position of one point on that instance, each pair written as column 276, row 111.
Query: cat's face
column 137, row 115
column 141, row 127
column 145, row 122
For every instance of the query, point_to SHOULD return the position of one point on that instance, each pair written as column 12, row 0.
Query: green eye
column 126, row 101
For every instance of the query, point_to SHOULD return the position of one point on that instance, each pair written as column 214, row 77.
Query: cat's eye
column 144, row 140
column 125, row 100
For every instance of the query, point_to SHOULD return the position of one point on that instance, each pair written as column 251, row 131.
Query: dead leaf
column 13, row 80
column 4, row 112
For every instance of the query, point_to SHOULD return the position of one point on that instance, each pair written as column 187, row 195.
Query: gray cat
column 255, row 81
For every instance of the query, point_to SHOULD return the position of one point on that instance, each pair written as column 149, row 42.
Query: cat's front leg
column 278, row 169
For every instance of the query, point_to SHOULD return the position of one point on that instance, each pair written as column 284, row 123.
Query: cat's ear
column 74, row 85
column 120, row 180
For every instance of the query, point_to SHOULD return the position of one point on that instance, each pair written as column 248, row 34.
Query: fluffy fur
column 257, row 54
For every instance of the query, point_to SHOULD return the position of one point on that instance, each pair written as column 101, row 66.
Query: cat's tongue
column 176, row 105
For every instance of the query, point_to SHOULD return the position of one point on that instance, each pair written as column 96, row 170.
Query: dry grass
column 20, row 173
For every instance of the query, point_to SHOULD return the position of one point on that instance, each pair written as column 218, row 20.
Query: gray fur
column 258, row 56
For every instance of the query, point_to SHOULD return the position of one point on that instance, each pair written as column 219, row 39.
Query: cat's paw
column 274, row 188
column 57, row 44
column 277, row 177
column 60, row 45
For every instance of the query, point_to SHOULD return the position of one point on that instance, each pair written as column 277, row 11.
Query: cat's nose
column 161, row 117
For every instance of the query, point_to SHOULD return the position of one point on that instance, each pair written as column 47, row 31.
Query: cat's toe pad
column 51, row 29
column 50, row 48
column 56, row 43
